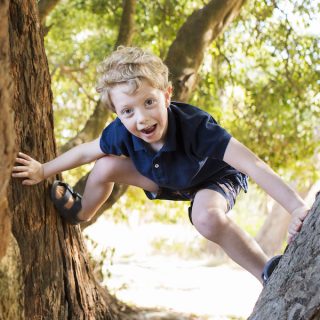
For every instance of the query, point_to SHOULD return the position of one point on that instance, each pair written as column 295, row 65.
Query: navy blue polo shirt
column 192, row 153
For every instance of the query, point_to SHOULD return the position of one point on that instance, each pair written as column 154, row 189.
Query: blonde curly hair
column 130, row 65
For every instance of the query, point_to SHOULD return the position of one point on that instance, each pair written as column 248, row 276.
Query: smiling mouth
column 149, row 129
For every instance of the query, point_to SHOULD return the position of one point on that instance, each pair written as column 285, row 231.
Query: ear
column 168, row 95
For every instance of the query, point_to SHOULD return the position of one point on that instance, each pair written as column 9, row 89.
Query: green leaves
column 260, row 79
column 265, row 78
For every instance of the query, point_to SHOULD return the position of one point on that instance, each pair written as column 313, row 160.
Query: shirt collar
column 171, row 141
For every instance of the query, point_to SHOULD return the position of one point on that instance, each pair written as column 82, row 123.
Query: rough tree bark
column 293, row 291
column 7, row 134
column 57, row 278
column 10, row 275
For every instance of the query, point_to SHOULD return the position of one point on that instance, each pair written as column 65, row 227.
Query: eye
column 150, row 102
column 127, row 112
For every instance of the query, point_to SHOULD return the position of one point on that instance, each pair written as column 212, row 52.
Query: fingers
column 26, row 169
column 294, row 228
column 22, row 161
column 24, row 156
column 28, row 182
column 290, row 238
column 24, row 174
column 19, row 168
column 301, row 212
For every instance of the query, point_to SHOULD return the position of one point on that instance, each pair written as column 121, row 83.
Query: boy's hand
column 30, row 170
column 298, row 216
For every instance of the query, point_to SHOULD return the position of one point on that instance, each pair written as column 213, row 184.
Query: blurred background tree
column 259, row 79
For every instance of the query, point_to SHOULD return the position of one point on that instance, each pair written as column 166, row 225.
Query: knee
column 211, row 223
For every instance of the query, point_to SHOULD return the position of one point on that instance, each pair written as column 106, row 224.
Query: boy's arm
column 34, row 172
column 242, row 159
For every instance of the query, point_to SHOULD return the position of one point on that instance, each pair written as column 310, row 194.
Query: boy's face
column 144, row 112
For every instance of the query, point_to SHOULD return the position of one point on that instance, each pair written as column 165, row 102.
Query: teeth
column 148, row 128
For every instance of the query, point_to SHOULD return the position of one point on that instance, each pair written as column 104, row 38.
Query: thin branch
column 45, row 7
column 70, row 74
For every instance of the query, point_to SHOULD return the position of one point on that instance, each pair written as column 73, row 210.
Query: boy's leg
column 210, row 219
column 107, row 171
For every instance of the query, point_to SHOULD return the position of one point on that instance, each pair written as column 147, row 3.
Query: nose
column 142, row 116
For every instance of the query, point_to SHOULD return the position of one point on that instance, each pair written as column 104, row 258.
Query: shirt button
column 156, row 165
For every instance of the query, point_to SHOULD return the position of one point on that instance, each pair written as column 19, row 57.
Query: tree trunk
column 58, row 282
column 293, row 291
column 10, row 275
column 7, row 134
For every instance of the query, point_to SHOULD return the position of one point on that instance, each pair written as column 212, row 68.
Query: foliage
column 80, row 37
column 82, row 33
column 264, row 76
column 260, row 79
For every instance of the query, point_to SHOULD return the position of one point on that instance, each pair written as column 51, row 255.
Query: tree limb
column 187, row 51
column 127, row 25
column 45, row 7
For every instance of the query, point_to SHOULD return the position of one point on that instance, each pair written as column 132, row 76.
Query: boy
column 172, row 150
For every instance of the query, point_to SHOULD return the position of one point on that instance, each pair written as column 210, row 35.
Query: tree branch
column 127, row 25
column 187, row 51
column 45, row 7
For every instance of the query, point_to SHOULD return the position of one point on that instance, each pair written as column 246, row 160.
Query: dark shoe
column 269, row 268
column 68, row 214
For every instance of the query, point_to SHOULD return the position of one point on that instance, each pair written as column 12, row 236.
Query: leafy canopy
column 260, row 79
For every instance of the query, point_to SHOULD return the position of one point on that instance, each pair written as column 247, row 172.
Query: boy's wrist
column 43, row 172
column 300, row 209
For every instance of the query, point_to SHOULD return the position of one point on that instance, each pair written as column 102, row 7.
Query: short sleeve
column 114, row 139
column 210, row 139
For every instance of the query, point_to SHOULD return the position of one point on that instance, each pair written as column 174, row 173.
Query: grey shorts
column 229, row 187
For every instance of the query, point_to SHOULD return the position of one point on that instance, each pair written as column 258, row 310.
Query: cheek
column 130, row 126
column 164, row 116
